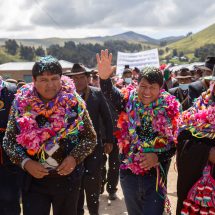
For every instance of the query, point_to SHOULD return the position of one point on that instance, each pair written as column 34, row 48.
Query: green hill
column 5, row 57
column 189, row 44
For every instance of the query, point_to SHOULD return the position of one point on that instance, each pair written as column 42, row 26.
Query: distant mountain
column 129, row 36
column 172, row 39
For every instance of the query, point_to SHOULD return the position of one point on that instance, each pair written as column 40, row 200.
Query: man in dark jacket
column 198, row 87
column 97, row 108
column 181, row 92
column 196, row 146
column 9, row 189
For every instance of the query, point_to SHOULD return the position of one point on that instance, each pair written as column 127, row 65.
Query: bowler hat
column 184, row 73
column 77, row 69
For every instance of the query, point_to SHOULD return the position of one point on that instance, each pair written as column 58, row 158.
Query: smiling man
column 49, row 134
column 148, row 125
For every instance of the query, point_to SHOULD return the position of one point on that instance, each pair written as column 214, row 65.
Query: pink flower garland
column 200, row 119
column 32, row 136
column 164, row 116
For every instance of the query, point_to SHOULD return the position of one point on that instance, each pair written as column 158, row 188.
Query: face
column 95, row 81
column 207, row 73
column 147, row 92
column 81, row 82
column 135, row 75
column 127, row 75
column 47, row 85
column 184, row 80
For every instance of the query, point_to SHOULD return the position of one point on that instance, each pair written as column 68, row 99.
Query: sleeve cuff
column 24, row 162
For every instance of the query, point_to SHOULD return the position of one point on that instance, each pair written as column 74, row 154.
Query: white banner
column 140, row 60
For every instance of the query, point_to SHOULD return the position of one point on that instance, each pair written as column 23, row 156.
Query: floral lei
column 200, row 118
column 42, row 125
column 163, row 115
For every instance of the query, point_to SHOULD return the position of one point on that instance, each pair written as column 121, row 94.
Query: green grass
column 189, row 44
column 5, row 57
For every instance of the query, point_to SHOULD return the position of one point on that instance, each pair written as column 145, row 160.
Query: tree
column 204, row 51
column 70, row 45
column 27, row 52
column 189, row 34
column 174, row 52
column 55, row 51
column 11, row 46
column 163, row 43
column 40, row 51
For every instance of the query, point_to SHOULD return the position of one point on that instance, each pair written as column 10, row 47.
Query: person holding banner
column 148, row 122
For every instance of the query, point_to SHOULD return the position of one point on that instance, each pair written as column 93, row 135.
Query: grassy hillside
column 5, row 57
column 189, row 44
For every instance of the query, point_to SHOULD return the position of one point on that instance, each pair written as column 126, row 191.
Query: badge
column 1, row 104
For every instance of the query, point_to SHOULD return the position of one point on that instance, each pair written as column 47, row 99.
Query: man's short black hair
column 136, row 70
column 47, row 64
column 152, row 75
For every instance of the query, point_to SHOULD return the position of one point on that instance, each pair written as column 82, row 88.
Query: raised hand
column 104, row 64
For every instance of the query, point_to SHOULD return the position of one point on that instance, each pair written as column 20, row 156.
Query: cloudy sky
column 83, row 18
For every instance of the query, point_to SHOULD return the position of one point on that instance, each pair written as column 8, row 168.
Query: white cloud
column 80, row 18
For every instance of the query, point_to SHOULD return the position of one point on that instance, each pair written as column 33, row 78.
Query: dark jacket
column 192, row 157
column 6, row 99
column 196, row 89
column 10, row 175
column 171, row 83
column 99, row 113
column 182, row 96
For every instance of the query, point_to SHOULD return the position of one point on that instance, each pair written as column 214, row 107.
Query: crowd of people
column 58, row 133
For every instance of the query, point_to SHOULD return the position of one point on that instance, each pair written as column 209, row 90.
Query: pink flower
column 26, row 123
column 211, row 115
column 58, row 124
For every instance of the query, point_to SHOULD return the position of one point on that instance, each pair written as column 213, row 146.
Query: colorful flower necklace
column 161, row 116
column 43, row 125
column 200, row 118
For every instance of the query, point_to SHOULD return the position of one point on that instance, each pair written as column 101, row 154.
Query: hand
column 148, row 161
column 67, row 166
column 108, row 147
column 104, row 64
column 36, row 169
column 212, row 155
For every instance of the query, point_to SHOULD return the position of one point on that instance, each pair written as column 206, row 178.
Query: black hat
column 212, row 77
column 209, row 64
column 126, row 71
column 77, row 69
column 184, row 73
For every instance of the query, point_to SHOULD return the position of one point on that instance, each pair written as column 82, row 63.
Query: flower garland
column 161, row 117
column 42, row 125
column 200, row 118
